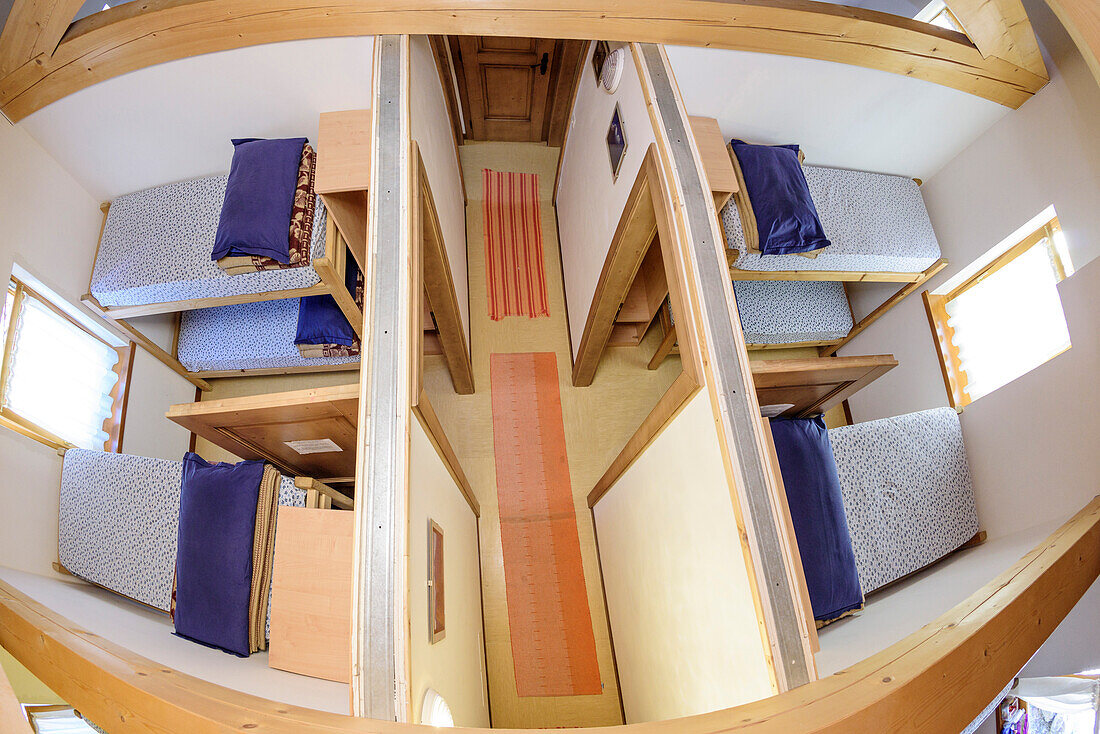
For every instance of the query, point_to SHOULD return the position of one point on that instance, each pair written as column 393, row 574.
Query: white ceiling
column 174, row 121
column 842, row 116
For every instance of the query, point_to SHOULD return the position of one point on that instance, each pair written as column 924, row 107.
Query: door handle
column 542, row 64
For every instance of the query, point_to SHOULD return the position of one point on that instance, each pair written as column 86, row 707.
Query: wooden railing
column 937, row 679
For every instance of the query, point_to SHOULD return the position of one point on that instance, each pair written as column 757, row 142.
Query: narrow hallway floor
column 597, row 421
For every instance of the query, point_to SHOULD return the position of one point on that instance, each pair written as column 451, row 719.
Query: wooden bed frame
column 826, row 348
column 330, row 268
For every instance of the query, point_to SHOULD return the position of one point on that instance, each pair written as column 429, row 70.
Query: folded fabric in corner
column 214, row 561
column 817, row 511
column 259, row 197
column 301, row 227
column 777, row 212
column 323, row 329
column 263, row 552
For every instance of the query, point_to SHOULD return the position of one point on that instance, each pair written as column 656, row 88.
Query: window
column 938, row 14
column 60, row 382
column 56, row 720
column 1004, row 317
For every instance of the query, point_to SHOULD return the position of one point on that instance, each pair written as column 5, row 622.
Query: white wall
column 683, row 620
column 455, row 665
column 589, row 200
column 431, row 129
column 51, row 226
column 173, row 121
column 842, row 116
column 1031, row 444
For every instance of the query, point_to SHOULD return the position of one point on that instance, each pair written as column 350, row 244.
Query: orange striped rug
column 514, row 271
column 553, row 646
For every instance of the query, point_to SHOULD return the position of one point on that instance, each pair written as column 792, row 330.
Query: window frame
column 114, row 425
column 954, row 376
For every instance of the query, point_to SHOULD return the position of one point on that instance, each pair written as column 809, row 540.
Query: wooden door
column 507, row 86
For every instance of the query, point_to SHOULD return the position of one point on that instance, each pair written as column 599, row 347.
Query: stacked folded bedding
column 817, row 513
column 793, row 217
column 323, row 330
column 123, row 518
column 792, row 311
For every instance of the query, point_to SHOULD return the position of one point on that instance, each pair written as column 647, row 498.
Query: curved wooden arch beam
column 136, row 35
column 958, row 663
column 1082, row 20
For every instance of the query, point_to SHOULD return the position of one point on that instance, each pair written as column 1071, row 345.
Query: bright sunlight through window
column 57, row 377
column 1005, row 318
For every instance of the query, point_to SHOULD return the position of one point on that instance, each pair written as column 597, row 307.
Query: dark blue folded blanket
column 320, row 320
column 259, row 199
column 217, row 532
column 786, row 217
column 817, row 510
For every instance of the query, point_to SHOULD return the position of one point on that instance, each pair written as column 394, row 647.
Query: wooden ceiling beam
column 1082, row 20
column 1001, row 28
column 34, row 28
column 136, row 35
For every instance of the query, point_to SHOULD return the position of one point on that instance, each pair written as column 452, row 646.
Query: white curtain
column 60, row 377
column 1076, row 699
column 1009, row 323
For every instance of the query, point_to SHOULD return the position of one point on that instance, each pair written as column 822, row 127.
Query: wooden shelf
column 343, row 174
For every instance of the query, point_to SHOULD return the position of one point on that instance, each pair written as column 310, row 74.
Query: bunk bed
column 873, row 502
column 165, row 250
column 119, row 517
column 878, row 231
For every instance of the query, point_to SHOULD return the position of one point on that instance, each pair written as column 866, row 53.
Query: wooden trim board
column 439, row 283
column 127, row 37
column 961, row 660
column 815, row 385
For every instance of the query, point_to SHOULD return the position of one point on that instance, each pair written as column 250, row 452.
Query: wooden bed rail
column 959, row 663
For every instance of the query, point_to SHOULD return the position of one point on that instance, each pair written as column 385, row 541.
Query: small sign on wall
column 616, row 142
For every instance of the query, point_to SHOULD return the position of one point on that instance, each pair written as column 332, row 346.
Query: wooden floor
column 598, row 421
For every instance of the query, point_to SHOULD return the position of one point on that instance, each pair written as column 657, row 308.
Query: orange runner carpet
column 514, row 271
column 553, row 646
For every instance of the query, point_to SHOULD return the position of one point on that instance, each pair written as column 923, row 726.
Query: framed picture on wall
column 616, row 142
column 437, row 627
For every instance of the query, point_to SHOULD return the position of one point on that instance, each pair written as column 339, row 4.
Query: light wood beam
column 960, row 661
column 34, row 28
column 439, row 284
column 888, row 304
column 135, row 35
column 1082, row 20
column 1001, row 28
column 633, row 235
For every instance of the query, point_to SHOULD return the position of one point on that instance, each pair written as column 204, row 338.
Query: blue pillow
column 320, row 320
column 217, row 531
column 817, row 511
column 259, row 199
column 786, row 217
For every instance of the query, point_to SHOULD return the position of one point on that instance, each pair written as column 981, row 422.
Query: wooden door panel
column 506, row 91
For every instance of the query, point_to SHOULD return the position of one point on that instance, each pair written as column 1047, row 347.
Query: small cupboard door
column 507, row 82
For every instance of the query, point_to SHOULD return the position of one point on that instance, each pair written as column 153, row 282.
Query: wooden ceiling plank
column 1082, row 20
column 136, row 35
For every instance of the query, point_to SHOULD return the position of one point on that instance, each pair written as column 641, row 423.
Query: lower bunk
column 190, row 539
column 874, row 502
